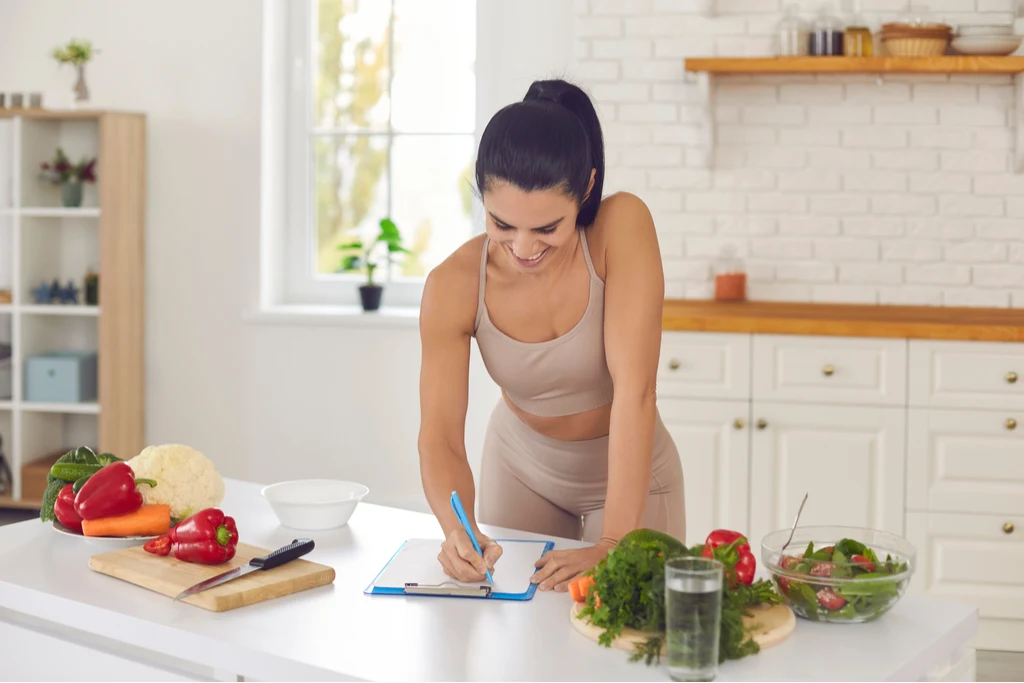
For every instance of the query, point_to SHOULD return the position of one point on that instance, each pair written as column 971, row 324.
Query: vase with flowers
column 70, row 177
column 77, row 53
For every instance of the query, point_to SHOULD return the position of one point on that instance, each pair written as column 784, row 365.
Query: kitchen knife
column 285, row 554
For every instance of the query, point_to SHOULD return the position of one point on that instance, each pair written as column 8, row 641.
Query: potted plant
column 60, row 171
column 78, row 53
column 360, row 255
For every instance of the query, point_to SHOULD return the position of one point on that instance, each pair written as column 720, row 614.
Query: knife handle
column 292, row 551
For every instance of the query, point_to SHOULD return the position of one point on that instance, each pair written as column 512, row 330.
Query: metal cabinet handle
column 1011, row 377
column 738, row 423
column 762, row 423
column 1011, row 424
column 673, row 364
column 828, row 370
column 1008, row 528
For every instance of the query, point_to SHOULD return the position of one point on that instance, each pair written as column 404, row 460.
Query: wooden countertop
column 845, row 320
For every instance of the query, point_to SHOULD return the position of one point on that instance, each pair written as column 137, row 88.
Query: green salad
column 845, row 582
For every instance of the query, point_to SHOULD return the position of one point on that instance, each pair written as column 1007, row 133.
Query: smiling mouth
column 528, row 261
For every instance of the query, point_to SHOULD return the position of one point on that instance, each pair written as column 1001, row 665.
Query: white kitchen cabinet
column 850, row 460
column 703, row 365
column 842, row 370
column 986, row 375
column 965, row 461
column 975, row 559
column 714, row 445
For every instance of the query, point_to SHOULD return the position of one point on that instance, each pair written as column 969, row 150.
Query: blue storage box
column 61, row 377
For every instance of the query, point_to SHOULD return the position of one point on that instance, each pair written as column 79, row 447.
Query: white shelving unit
column 41, row 240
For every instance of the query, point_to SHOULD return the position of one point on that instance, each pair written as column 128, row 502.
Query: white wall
column 834, row 187
column 265, row 401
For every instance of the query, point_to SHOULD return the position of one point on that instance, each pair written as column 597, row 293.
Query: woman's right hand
column 461, row 561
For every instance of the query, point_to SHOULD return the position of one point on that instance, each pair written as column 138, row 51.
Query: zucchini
column 79, row 483
column 73, row 472
column 83, row 455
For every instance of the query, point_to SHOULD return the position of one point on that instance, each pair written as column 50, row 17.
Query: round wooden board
column 768, row 625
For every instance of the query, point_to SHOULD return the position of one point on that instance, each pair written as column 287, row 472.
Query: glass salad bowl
column 838, row 573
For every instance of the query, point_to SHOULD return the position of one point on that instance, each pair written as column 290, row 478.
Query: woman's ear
column 590, row 185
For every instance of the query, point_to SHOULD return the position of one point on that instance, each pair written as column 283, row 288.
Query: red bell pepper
column 207, row 537
column 64, row 509
column 158, row 546
column 732, row 549
column 110, row 492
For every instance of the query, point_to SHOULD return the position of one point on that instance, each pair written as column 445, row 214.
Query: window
column 381, row 123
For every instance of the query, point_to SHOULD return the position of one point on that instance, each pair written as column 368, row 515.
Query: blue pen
column 460, row 512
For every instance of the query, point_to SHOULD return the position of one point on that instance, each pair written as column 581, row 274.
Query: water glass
column 693, row 617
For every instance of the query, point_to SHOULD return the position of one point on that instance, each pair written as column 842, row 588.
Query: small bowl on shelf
column 988, row 45
column 853, row 575
column 314, row 504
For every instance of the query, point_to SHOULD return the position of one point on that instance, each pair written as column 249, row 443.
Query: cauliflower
column 186, row 479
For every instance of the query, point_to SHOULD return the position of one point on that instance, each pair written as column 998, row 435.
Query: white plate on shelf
column 123, row 541
column 986, row 45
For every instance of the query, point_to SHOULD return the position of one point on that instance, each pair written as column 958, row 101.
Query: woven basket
column 915, row 47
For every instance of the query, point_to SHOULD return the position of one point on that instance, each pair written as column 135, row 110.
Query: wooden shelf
column 845, row 320
column 873, row 65
column 59, row 211
column 77, row 408
column 60, row 309
column 7, row 502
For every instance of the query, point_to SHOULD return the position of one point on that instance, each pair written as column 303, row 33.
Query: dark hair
column 552, row 139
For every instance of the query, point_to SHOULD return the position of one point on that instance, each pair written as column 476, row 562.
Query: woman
column 564, row 296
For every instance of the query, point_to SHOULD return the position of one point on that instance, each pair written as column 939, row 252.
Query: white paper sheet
column 417, row 563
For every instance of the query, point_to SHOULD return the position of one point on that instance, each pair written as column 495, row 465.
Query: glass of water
column 693, row 617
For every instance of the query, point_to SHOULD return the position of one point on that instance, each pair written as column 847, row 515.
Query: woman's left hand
column 559, row 567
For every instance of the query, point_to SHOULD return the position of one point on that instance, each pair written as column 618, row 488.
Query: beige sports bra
column 563, row 376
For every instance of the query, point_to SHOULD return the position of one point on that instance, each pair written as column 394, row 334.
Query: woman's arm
column 444, row 392
column 634, row 299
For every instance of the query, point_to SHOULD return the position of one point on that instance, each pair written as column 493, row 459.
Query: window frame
column 300, row 283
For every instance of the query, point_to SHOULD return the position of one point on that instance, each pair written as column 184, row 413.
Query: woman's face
column 531, row 227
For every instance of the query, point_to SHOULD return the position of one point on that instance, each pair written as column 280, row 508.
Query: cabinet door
column 965, row 461
column 704, row 365
column 975, row 559
column 850, row 459
column 713, row 439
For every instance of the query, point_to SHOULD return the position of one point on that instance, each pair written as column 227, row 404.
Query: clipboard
column 414, row 570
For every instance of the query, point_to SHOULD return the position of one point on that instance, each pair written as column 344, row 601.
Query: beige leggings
column 532, row 482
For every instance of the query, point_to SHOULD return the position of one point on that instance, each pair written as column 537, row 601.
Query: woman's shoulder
column 618, row 221
column 451, row 288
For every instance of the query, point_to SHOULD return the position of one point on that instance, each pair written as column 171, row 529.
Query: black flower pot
column 370, row 296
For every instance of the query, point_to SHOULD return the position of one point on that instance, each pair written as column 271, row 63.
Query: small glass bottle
column 730, row 276
column 857, row 38
column 826, row 38
column 791, row 34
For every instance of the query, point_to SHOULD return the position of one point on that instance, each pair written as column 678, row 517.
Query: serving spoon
column 793, row 530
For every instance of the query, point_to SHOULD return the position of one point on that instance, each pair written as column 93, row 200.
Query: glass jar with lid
column 791, row 33
column 826, row 39
column 730, row 275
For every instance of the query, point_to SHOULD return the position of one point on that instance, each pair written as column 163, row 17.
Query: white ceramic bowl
column 986, row 45
column 986, row 30
column 314, row 504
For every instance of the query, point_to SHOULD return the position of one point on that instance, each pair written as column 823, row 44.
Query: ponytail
column 552, row 139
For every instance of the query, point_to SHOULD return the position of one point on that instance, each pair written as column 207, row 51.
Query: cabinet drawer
column 967, row 374
column 704, row 365
column 844, row 370
column 965, row 461
column 975, row 559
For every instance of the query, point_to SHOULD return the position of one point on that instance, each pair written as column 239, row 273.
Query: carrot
column 580, row 587
column 148, row 520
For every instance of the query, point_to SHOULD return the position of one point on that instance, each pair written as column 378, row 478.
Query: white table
column 59, row 620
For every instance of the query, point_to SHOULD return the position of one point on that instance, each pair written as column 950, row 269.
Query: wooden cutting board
column 169, row 576
column 768, row 625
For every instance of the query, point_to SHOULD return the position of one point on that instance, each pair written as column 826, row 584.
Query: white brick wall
column 834, row 188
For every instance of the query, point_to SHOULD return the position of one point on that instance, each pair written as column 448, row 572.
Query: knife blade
column 294, row 550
